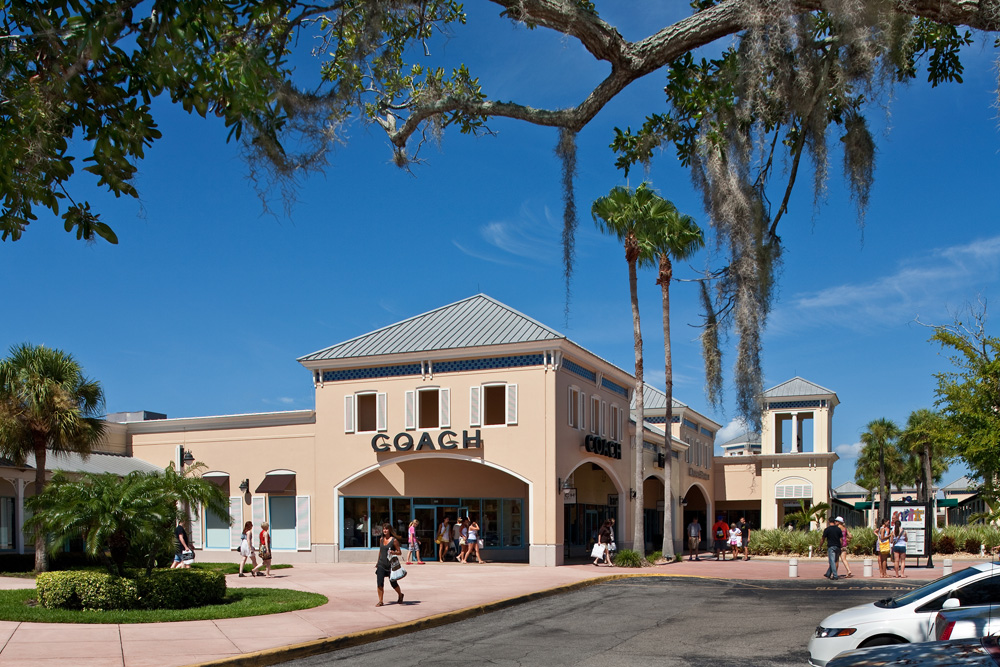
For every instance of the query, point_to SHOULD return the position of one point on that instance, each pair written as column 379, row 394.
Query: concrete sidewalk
column 435, row 593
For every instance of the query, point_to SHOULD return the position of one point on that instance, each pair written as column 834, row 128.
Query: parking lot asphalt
column 436, row 594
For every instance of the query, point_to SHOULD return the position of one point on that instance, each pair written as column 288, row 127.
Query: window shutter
column 258, row 515
column 474, row 418
column 409, row 420
column 349, row 413
column 196, row 514
column 604, row 412
column 569, row 405
column 236, row 527
column 621, row 425
column 381, row 420
column 581, row 409
column 303, row 539
column 444, row 408
column 511, row 404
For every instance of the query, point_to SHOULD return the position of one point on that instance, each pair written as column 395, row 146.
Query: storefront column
column 19, row 515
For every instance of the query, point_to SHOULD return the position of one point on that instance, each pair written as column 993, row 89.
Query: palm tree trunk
column 883, row 492
column 666, row 273
column 928, row 474
column 41, row 553
column 638, row 534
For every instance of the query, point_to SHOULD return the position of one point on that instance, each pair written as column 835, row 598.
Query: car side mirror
column 951, row 603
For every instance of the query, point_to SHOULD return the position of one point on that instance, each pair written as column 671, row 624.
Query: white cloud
column 731, row 430
column 919, row 284
column 848, row 451
column 527, row 237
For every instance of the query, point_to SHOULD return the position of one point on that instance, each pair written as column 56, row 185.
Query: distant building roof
column 963, row 483
column 747, row 438
column 654, row 399
column 849, row 488
column 798, row 387
column 118, row 464
column 474, row 322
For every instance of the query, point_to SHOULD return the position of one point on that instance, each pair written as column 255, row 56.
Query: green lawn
column 18, row 605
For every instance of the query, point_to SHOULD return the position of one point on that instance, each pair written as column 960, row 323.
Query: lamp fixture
column 566, row 484
column 683, row 501
column 245, row 485
column 631, row 493
column 186, row 457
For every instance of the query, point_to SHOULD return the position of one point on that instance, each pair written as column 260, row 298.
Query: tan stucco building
column 475, row 409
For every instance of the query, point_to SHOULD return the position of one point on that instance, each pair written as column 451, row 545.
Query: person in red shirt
column 720, row 533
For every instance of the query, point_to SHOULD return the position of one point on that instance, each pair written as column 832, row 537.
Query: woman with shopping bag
column 600, row 551
column 388, row 551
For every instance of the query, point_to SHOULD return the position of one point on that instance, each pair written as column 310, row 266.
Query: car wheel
column 882, row 640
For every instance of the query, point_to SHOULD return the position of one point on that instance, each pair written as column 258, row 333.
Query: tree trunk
column 883, row 492
column 666, row 273
column 928, row 474
column 41, row 553
column 638, row 534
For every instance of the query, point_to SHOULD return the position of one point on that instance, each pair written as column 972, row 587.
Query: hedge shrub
column 945, row 545
column 627, row 558
column 163, row 589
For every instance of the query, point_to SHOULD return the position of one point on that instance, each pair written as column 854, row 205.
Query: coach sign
column 404, row 442
column 602, row 447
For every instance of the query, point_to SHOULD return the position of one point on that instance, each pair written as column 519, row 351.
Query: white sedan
column 957, row 622
column 905, row 618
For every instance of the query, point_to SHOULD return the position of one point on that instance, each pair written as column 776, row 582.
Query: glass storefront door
column 427, row 529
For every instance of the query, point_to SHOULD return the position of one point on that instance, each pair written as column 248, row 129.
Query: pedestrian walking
column 844, row 541
column 414, row 543
column 694, row 539
column 265, row 548
column 181, row 547
column 463, row 540
column 832, row 536
column 443, row 538
column 246, row 549
column 388, row 544
column 745, row 537
column 735, row 538
column 603, row 541
column 720, row 532
column 474, row 541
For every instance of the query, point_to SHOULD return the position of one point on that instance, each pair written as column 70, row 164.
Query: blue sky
column 206, row 302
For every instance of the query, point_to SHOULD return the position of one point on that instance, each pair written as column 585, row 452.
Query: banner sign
column 916, row 520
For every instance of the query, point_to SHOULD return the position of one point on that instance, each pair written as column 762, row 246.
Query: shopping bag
column 396, row 569
column 597, row 551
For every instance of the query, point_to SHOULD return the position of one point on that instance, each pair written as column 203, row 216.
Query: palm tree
column 807, row 515
column 671, row 236
column 46, row 403
column 925, row 439
column 120, row 516
column 626, row 214
column 880, row 440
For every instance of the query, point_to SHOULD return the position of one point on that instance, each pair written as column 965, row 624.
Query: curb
column 274, row 656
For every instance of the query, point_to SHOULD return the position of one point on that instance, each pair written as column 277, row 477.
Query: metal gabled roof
column 963, row 483
column 746, row 438
column 654, row 399
column 474, row 322
column 118, row 464
column 850, row 487
column 797, row 387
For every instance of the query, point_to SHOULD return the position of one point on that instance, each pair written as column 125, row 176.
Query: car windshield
column 928, row 589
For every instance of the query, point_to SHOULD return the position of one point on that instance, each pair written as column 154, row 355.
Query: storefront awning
column 221, row 481
column 277, row 483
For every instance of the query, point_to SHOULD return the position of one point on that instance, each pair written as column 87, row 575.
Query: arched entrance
column 597, row 497
column 429, row 489
column 652, row 513
column 695, row 504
